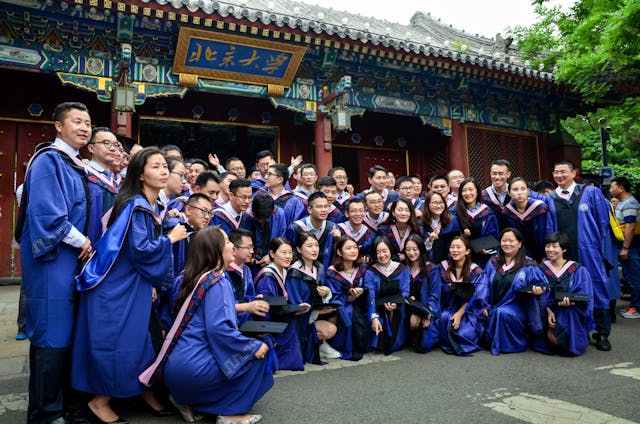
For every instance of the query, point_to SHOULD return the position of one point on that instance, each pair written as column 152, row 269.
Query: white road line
column 620, row 365
column 543, row 410
column 622, row 369
column 369, row 358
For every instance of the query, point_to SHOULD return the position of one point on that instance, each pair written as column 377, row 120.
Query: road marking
column 14, row 402
column 543, row 410
column 622, row 369
column 368, row 358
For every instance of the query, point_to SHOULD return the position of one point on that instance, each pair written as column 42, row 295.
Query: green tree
column 595, row 48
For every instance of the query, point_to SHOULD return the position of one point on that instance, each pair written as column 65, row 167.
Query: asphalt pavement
column 406, row 387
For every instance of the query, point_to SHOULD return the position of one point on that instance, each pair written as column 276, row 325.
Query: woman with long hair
column 345, row 278
column 511, row 300
column 305, row 284
column 210, row 365
column 529, row 215
column 422, row 322
column 387, row 285
column 400, row 224
column 459, row 278
column 439, row 226
column 270, row 281
column 116, row 291
column 476, row 219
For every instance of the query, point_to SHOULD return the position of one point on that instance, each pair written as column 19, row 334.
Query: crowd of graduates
column 187, row 275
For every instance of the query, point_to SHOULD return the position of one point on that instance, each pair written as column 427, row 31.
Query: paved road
column 599, row 387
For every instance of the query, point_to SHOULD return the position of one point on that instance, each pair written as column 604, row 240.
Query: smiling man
column 496, row 196
column 52, row 245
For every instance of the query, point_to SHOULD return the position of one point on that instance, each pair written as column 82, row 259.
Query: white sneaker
column 327, row 352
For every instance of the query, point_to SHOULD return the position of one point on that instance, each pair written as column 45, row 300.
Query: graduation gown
column 535, row 224
column 364, row 237
column 397, row 241
column 440, row 249
column 301, row 286
column 287, row 345
column 57, row 199
column 103, row 193
column 335, row 215
column 388, row 197
column 212, row 366
column 264, row 232
column 469, row 335
column 352, row 339
column 294, row 207
column 325, row 257
column 511, row 313
column 490, row 199
column 483, row 222
column 381, row 283
column 227, row 222
column 369, row 222
column 573, row 323
column 427, row 291
column 244, row 291
column 112, row 343
column 591, row 217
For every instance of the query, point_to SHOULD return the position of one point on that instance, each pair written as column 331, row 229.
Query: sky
column 484, row 17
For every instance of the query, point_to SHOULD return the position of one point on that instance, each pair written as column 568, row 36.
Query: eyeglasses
column 321, row 207
column 182, row 175
column 309, row 175
column 237, row 168
column 563, row 172
column 244, row 198
column 436, row 203
column 456, row 177
column 375, row 202
column 498, row 174
column 406, row 188
column 205, row 212
column 245, row 247
column 109, row 144
column 339, row 177
column 271, row 174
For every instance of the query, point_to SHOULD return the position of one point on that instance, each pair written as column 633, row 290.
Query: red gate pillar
column 458, row 156
column 322, row 139
column 121, row 123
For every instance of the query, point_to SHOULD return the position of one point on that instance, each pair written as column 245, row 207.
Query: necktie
column 238, row 218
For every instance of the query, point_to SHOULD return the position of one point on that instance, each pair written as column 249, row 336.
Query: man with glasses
column 104, row 148
column 241, row 278
column 344, row 190
column 316, row 222
column 582, row 212
column 233, row 214
column 328, row 186
column 269, row 223
column 455, row 177
column 196, row 216
column 355, row 212
column 375, row 210
column 293, row 206
column 496, row 196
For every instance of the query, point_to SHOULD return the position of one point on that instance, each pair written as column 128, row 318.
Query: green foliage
column 595, row 48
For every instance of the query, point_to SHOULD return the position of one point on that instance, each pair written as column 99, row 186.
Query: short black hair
column 403, row 179
column 263, row 154
column 200, row 162
column 193, row 199
column 367, row 194
column 308, row 166
column 204, row 177
column 352, row 201
column 326, row 182
column 235, row 235
column 61, row 110
column 314, row 196
column 439, row 177
column 376, row 168
column 565, row 162
column 334, row 169
column 238, row 183
column 558, row 237
column 96, row 130
column 623, row 182
column 168, row 147
column 231, row 159
column 262, row 206
column 542, row 185
column 501, row 162
column 281, row 170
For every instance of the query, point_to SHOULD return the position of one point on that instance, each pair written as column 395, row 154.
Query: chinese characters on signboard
column 234, row 58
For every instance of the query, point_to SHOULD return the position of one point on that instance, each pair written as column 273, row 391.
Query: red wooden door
column 395, row 161
column 17, row 142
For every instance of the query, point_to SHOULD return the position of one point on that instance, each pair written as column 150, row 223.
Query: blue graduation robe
column 391, row 231
column 511, row 314
column 294, row 207
column 336, row 215
column 288, row 350
column 592, row 237
column 227, row 223
column 244, row 291
column 388, row 197
column 380, row 284
column 264, row 232
column 112, row 343
column 468, row 338
column 352, row 339
column 483, row 222
column 573, row 323
column 535, row 224
column 103, row 194
column 425, row 289
column 325, row 239
column 490, row 199
column 364, row 237
column 212, row 366
column 440, row 249
column 57, row 199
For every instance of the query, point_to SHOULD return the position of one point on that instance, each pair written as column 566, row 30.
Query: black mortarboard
column 392, row 298
column 259, row 327
column 573, row 297
column 484, row 243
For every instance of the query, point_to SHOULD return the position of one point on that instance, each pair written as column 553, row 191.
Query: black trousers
column 602, row 318
column 50, row 368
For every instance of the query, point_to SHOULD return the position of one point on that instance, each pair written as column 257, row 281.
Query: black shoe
column 602, row 343
column 97, row 420
column 78, row 416
column 166, row 412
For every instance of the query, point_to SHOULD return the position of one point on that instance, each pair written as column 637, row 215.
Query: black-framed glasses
column 182, row 175
column 109, row 144
column 205, row 212
column 245, row 247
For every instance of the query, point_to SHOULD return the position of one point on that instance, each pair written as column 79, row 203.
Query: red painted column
column 458, row 152
column 322, row 140
column 121, row 123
